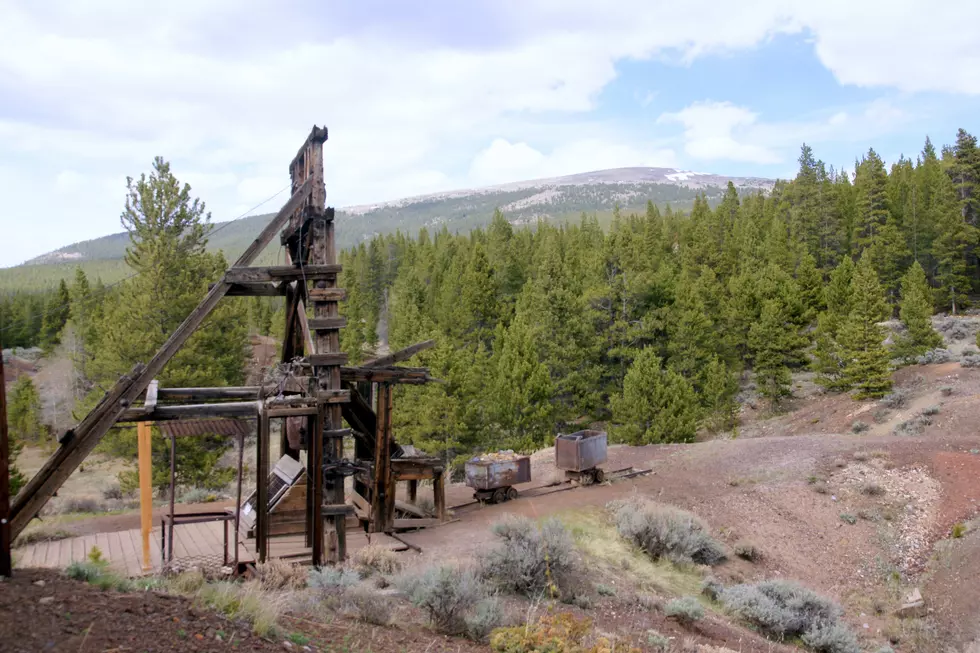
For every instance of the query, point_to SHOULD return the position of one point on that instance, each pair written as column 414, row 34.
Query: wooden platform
column 124, row 549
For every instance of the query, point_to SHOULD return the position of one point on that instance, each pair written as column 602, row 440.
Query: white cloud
column 226, row 90
column 722, row 131
column 711, row 130
column 503, row 161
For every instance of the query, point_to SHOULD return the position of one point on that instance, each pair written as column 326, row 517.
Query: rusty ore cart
column 579, row 454
column 493, row 476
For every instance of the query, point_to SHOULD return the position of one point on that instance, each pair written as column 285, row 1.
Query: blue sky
column 429, row 96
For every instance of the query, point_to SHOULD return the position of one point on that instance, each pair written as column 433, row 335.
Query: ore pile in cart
column 494, row 475
column 579, row 455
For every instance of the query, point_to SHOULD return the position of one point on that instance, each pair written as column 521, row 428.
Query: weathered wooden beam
column 320, row 324
column 194, row 394
column 400, row 355
column 301, row 227
column 254, row 290
column 300, row 411
column 335, row 358
column 414, row 522
column 327, row 294
column 191, row 411
column 251, row 275
column 389, row 374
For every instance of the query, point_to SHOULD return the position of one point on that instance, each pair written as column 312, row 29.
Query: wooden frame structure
column 326, row 392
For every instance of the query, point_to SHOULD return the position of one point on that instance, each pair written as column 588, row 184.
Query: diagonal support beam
column 79, row 442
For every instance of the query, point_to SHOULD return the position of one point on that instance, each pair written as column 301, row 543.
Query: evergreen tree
column 870, row 186
column 56, row 314
column 521, row 388
column 24, row 411
column 916, row 313
column 657, row 404
column 168, row 233
column 828, row 360
column 771, row 342
column 954, row 239
column 867, row 367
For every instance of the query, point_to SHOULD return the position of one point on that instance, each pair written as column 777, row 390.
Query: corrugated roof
column 216, row 426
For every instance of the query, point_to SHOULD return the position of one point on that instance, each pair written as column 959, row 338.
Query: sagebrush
column 665, row 531
column 529, row 559
column 455, row 599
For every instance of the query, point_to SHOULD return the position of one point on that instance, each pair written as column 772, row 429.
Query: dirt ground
column 65, row 615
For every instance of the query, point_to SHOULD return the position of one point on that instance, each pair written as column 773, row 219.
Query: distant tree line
column 649, row 325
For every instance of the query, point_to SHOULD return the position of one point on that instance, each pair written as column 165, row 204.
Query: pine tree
column 521, row 388
column 867, row 366
column 772, row 348
column 56, row 314
column 954, row 239
column 828, row 360
column 870, row 186
column 168, row 234
column 916, row 311
column 24, row 411
column 657, row 405
column 811, row 285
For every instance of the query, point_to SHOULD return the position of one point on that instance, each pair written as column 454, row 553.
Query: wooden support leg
column 262, row 488
column 439, row 495
column 413, row 492
column 315, row 486
column 145, row 456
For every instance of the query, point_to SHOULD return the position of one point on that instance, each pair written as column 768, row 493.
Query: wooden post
column 314, row 488
column 5, row 559
column 262, row 488
column 439, row 495
column 413, row 491
column 145, row 453
column 383, row 491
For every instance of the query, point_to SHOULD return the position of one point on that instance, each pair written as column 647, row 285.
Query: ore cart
column 579, row 454
column 493, row 476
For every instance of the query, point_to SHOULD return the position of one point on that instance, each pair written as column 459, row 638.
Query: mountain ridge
column 558, row 198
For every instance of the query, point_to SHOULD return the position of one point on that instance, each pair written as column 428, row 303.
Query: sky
column 432, row 95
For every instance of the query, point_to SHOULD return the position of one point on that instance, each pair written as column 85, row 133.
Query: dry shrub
column 332, row 581
column 666, row 531
column 784, row 609
column 368, row 605
column 872, row 489
column 529, row 560
column 40, row 533
column 554, row 633
column 455, row 599
column 684, row 610
column 747, row 551
column 895, row 399
column 376, row 558
column 277, row 574
column 914, row 426
column 245, row 601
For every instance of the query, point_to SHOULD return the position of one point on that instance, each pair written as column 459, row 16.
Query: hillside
column 556, row 199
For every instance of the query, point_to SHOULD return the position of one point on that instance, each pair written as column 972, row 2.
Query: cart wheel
column 511, row 493
column 600, row 476
column 499, row 495
column 585, row 479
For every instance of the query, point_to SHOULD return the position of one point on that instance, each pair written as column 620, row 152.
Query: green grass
column 595, row 536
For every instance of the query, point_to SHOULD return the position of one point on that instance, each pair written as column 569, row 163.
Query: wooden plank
column 292, row 412
column 391, row 375
column 201, row 394
column 134, row 556
column 409, row 508
column 190, row 411
column 267, row 289
column 400, row 355
column 262, row 488
column 320, row 324
column 304, row 326
column 152, row 395
column 334, row 358
column 415, row 523
column 116, row 552
column 327, row 294
column 278, row 273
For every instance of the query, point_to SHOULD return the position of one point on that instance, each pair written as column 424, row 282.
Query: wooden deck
column 124, row 549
